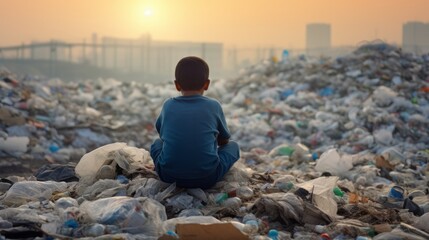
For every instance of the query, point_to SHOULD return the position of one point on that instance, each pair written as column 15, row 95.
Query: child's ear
column 178, row 87
column 206, row 84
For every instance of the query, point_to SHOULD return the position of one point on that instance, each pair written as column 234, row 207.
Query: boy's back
column 194, row 148
column 189, row 127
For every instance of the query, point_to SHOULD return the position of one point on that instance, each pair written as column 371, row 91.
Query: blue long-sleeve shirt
column 189, row 127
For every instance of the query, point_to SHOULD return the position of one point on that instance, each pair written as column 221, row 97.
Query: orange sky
column 233, row 22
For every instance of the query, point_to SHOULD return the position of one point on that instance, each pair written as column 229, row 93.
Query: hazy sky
column 233, row 22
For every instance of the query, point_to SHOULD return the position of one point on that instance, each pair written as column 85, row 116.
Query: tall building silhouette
column 318, row 39
column 415, row 37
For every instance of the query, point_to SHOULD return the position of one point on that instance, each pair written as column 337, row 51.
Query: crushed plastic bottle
column 285, row 183
column 233, row 203
column 248, row 217
column 190, row 212
column 94, row 230
column 244, row 192
column 251, row 227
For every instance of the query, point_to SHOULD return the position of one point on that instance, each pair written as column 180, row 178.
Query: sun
column 147, row 12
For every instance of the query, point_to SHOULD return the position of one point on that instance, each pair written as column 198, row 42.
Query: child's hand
column 222, row 141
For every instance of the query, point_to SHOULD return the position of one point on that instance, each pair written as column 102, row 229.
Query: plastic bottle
column 54, row 148
column 273, row 234
column 287, row 186
column 249, row 217
column 172, row 234
column 285, row 55
column 285, row 183
column 337, row 191
column 286, row 151
column 233, row 203
column 251, row 227
column 314, row 156
column 320, row 228
column 71, row 223
column 244, row 192
column 221, row 197
column 94, row 231
column 66, row 202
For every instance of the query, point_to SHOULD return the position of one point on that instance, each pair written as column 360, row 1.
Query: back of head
column 191, row 73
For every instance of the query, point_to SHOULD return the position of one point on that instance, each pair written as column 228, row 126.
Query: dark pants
column 228, row 155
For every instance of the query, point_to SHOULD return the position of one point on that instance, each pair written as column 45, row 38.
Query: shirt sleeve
column 222, row 127
column 158, row 124
column 159, row 121
column 160, row 118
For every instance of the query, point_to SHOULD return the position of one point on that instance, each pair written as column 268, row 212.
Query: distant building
column 318, row 39
column 51, row 50
column 415, row 37
column 128, row 55
column 159, row 58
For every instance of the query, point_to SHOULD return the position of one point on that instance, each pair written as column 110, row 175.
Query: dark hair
column 191, row 73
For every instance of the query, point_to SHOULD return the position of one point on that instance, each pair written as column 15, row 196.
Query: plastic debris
column 331, row 149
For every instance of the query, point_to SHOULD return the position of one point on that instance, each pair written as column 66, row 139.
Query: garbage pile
column 49, row 120
column 331, row 149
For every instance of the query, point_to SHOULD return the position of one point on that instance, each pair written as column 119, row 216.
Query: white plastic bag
column 323, row 196
column 133, row 215
column 330, row 161
column 27, row 191
column 131, row 159
column 91, row 162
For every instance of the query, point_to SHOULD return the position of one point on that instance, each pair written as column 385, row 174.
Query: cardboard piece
column 381, row 162
column 7, row 118
column 215, row 231
column 381, row 228
column 355, row 198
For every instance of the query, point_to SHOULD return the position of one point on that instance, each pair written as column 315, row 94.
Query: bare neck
column 190, row 93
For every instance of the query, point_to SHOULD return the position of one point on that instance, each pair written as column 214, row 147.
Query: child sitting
column 194, row 149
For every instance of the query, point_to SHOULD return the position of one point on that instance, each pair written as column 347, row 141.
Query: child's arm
column 224, row 135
